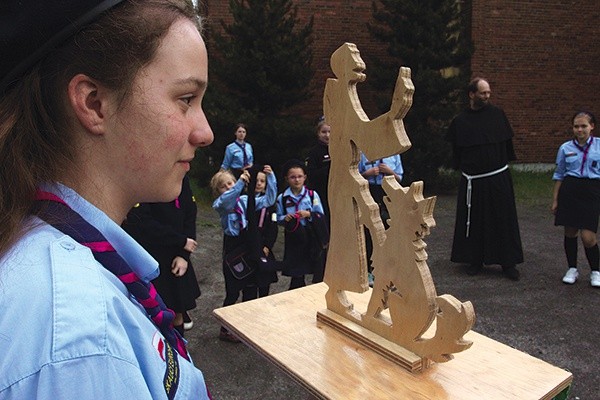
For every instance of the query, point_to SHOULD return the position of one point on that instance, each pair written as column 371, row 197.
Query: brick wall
column 540, row 56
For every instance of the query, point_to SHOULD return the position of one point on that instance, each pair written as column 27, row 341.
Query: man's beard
column 479, row 103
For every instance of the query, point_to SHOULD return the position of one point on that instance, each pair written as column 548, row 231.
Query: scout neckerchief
column 243, row 147
column 584, row 149
column 296, row 204
column 57, row 213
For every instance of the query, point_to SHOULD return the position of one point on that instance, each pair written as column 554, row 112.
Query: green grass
column 533, row 188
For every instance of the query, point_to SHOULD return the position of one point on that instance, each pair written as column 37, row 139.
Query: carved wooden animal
column 403, row 282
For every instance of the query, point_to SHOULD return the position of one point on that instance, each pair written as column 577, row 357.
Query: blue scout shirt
column 570, row 160
column 301, row 201
column 394, row 162
column 234, row 155
column 69, row 329
column 231, row 205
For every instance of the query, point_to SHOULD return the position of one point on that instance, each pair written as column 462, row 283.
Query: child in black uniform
column 168, row 232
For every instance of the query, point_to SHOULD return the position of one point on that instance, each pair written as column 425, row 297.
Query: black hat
column 30, row 29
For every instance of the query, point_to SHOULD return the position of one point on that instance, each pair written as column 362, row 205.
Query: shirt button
column 67, row 245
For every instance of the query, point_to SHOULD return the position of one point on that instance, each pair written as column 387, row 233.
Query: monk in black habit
column 486, row 230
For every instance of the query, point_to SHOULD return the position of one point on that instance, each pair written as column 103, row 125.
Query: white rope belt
column 470, row 189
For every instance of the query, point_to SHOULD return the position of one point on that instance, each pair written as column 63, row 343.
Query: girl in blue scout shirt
column 267, row 230
column 298, row 206
column 231, row 206
column 238, row 154
column 576, row 200
column 82, row 140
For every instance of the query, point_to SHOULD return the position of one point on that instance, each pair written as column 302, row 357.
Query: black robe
column 482, row 142
column 318, row 164
column 162, row 229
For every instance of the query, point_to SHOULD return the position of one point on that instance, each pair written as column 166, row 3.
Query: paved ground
column 539, row 314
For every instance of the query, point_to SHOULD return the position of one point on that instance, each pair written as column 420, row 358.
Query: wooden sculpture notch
column 416, row 325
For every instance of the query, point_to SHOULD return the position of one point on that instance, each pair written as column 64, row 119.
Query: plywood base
column 393, row 352
column 283, row 328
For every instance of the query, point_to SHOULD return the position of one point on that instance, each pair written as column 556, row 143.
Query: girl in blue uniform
column 576, row 200
column 266, row 231
column 83, row 138
column 238, row 154
column 231, row 206
column 297, row 207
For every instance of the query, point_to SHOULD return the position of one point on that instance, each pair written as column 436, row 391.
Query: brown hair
column 240, row 125
column 37, row 142
column 584, row 113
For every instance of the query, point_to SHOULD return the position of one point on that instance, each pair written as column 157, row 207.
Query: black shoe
column 511, row 272
column 473, row 269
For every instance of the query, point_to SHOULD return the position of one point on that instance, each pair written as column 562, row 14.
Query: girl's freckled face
column 157, row 129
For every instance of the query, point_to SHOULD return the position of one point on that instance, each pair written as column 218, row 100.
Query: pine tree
column 261, row 68
column 431, row 37
column 263, row 58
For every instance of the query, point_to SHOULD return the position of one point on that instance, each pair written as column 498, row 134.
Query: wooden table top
column 283, row 328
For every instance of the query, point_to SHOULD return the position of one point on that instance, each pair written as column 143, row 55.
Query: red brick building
column 540, row 56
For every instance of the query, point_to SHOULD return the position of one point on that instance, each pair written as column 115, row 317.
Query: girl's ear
column 90, row 102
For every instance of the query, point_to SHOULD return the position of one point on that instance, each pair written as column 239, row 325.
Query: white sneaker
column 572, row 275
column 187, row 322
column 595, row 279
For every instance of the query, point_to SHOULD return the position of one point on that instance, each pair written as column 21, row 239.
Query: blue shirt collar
column 140, row 261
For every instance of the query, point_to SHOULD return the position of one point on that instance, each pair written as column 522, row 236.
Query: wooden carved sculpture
column 404, row 307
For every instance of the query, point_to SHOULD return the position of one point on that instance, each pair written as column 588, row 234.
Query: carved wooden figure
column 381, row 137
column 404, row 307
column 401, row 326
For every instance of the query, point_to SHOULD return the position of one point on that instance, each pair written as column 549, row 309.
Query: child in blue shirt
column 576, row 199
column 231, row 206
column 238, row 154
column 298, row 206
